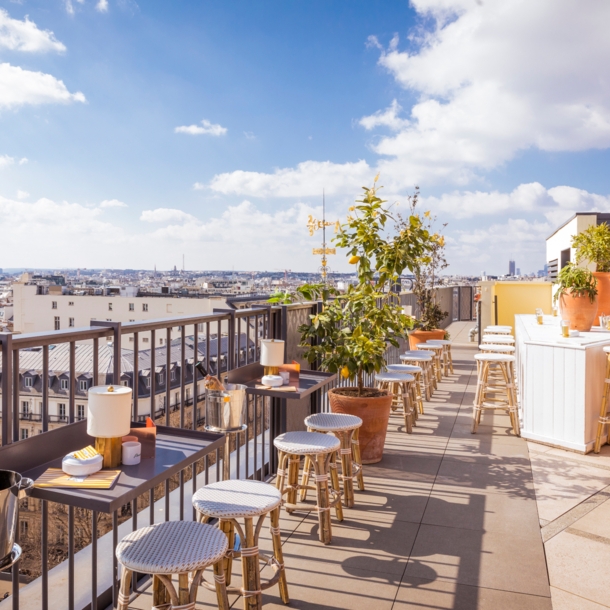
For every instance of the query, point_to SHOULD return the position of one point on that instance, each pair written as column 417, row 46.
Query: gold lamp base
column 110, row 449
column 272, row 370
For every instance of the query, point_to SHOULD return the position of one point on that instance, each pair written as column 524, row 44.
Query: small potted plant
column 351, row 333
column 593, row 247
column 577, row 296
column 426, row 269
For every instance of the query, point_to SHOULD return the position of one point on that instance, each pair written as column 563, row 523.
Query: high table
column 561, row 381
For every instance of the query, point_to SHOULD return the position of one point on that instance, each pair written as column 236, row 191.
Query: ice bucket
column 11, row 483
column 225, row 410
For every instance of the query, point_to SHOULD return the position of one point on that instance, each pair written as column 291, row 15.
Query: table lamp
column 272, row 355
column 108, row 420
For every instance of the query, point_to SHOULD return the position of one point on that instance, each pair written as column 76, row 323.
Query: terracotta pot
column 578, row 311
column 603, row 294
column 375, row 414
column 421, row 336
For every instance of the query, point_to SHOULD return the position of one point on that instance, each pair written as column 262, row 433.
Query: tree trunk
column 360, row 382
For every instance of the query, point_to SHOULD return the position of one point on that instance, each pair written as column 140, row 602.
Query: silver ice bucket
column 225, row 410
column 11, row 483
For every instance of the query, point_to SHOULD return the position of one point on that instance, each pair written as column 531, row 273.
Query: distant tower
column 511, row 267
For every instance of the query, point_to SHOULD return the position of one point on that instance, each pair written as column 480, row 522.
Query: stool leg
column 512, row 405
column 450, row 359
column 229, row 529
column 603, row 411
column 274, row 515
column 253, row 597
column 345, row 436
column 184, row 592
column 478, row 399
column 294, row 461
column 280, row 479
column 160, row 595
column 323, row 506
column 124, row 589
column 221, row 586
column 357, row 458
column 334, row 479
column 305, row 478
column 406, row 410
column 413, row 399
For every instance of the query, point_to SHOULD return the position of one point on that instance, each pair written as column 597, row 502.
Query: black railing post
column 6, row 339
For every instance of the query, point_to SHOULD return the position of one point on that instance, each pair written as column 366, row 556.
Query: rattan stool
column 320, row 447
column 447, row 357
column 498, row 330
column 426, row 361
column 417, row 372
column 494, row 348
column 234, row 499
column 173, row 547
column 343, row 426
column 438, row 357
column 498, row 339
column 495, row 388
column 604, row 416
column 401, row 387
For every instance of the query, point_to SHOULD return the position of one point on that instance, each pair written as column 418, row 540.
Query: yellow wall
column 519, row 298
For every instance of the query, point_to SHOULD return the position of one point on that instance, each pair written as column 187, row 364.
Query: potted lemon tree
column 577, row 295
column 351, row 333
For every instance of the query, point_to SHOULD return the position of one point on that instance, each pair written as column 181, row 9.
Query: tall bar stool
column 343, row 426
column 499, row 330
column 320, row 448
column 417, row 372
column 235, row 499
column 399, row 385
column 447, row 357
column 495, row 388
column 495, row 348
column 604, row 416
column 425, row 360
column 498, row 339
column 438, row 358
column 168, row 548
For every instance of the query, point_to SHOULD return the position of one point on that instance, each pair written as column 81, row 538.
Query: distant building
column 517, row 272
column 511, row 268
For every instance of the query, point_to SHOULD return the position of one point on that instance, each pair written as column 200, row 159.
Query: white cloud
column 5, row 161
column 211, row 129
column 386, row 118
column 102, row 6
column 495, row 78
column 307, row 179
column 198, row 186
column 23, row 161
column 18, row 87
column 22, row 194
column 69, row 7
column 166, row 215
column 249, row 135
column 112, row 203
column 17, row 35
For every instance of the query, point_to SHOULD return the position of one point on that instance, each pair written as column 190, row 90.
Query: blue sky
column 133, row 133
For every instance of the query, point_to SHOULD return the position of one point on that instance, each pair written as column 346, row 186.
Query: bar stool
column 399, row 384
column 498, row 339
column 320, row 448
column 495, row 388
column 604, row 416
column 168, row 548
column 425, row 360
column 492, row 348
column 416, row 371
column 438, row 357
column 447, row 357
column 499, row 330
column 235, row 499
column 344, row 427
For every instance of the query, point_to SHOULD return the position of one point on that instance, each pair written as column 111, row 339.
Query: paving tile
column 596, row 522
column 484, row 559
column 599, row 460
column 561, row 485
column 478, row 447
column 562, row 600
column 489, row 512
column 579, row 565
column 534, row 447
column 441, row 595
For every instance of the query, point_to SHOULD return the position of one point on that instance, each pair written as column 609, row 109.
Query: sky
column 133, row 133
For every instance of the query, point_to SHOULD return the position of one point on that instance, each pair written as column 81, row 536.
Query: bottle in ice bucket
column 565, row 328
column 539, row 316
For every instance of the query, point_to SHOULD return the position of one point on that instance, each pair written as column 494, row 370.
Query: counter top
column 549, row 333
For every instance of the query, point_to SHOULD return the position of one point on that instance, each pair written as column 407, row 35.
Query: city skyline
column 134, row 133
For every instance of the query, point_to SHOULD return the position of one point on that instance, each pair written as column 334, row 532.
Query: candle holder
column 109, row 420
column 272, row 355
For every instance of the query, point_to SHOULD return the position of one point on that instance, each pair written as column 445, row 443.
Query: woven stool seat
column 394, row 377
column 606, row 348
column 439, row 341
column 498, row 339
column 329, row 422
column 404, row 368
column 306, row 443
column 494, row 357
column 171, row 547
column 235, row 499
column 417, row 354
column 499, row 329
column 492, row 347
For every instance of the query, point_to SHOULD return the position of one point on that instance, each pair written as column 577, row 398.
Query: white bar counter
column 560, row 382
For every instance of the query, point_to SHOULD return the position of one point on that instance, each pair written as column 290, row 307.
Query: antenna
column 183, row 263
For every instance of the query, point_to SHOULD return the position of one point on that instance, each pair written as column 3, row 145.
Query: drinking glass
column 555, row 310
column 539, row 316
column 565, row 328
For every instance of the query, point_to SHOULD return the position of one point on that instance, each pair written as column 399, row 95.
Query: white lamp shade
column 272, row 352
column 109, row 413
